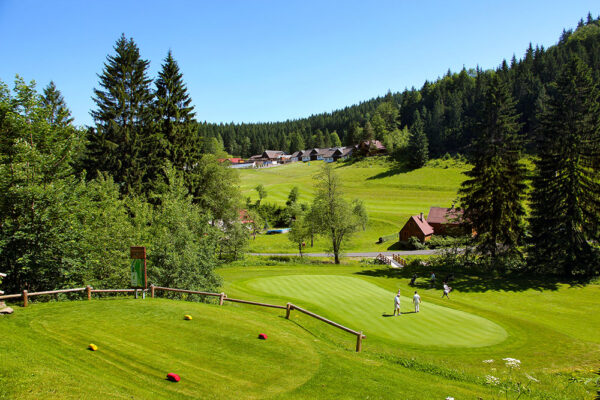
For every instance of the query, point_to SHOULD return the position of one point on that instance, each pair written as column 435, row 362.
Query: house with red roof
column 416, row 226
column 447, row 221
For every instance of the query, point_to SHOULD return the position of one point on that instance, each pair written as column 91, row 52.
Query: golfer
column 446, row 290
column 432, row 279
column 397, row 304
column 416, row 301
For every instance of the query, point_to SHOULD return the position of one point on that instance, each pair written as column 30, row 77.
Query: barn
column 416, row 226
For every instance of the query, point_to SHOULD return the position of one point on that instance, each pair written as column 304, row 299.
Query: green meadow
column 550, row 327
column 390, row 194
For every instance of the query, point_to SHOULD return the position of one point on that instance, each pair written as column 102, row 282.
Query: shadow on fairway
column 385, row 315
column 469, row 282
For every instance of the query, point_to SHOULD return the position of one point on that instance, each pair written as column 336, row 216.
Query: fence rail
column 222, row 298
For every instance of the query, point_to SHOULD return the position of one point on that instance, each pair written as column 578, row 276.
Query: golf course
column 435, row 353
column 390, row 194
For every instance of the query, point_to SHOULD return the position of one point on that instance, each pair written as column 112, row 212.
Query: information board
column 138, row 267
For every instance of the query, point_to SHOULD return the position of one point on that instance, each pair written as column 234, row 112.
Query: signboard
column 138, row 267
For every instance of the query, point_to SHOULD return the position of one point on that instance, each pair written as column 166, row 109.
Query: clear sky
column 260, row 60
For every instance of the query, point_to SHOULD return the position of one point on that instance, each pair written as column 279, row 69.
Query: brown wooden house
column 416, row 226
column 448, row 221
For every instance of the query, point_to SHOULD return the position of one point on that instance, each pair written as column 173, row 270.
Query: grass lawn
column 390, row 196
column 551, row 327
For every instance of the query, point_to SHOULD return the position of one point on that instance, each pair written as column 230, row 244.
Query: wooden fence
column 222, row 298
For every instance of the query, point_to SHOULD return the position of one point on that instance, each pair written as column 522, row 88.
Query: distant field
column 390, row 196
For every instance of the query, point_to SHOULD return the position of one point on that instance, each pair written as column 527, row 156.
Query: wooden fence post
column 25, row 299
column 359, row 342
column 288, row 310
column 152, row 290
column 88, row 289
column 221, row 298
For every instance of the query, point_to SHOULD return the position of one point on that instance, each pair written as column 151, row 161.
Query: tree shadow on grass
column 468, row 281
column 395, row 169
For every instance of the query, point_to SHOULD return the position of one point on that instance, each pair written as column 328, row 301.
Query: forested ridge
column 445, row 105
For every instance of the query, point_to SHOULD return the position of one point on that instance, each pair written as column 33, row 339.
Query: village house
column 416, row 226
column 371, row 147
column 447, row 221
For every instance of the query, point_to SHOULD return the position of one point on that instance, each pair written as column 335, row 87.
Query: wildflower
column 488, row 361
column 531, row 378
column 449, row 398
column 492, row 380
column 512, row 362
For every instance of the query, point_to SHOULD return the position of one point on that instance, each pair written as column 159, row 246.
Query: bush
column 415, row 243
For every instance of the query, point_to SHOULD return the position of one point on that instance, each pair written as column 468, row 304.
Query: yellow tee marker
column 93, row 347
column 187, row 317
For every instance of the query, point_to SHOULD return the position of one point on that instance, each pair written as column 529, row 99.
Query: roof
column 328, row 152
column 378, row 145
column 423, row 225
column 273, row 153
column 296, row 154
column 255, row 157
column 231, row 160
column 441, row 215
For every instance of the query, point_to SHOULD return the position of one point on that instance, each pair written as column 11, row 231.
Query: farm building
column 416, row 226
column 371, row 147
column 447, row 221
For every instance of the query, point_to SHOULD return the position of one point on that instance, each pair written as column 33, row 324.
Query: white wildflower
column 492, row 380
column 531, row 378
column 449, row 398
column 512, row 362
column 488, row 361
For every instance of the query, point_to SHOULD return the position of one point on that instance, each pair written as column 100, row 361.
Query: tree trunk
column 300, row 248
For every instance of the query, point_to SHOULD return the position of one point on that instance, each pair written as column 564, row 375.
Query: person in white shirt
column 397, row 304
column 416, row 301
column 446, row 290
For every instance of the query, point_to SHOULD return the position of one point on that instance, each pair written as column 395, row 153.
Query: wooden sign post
column 139, row 276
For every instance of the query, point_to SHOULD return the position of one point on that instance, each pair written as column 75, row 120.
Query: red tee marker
column 262, row 336
column 173, row 377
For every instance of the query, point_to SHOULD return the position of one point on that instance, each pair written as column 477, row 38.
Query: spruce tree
column 493, row 193
column 122, row 143
column 418, row 146
column 58, row 113
column 565, row 201
column 174, row 116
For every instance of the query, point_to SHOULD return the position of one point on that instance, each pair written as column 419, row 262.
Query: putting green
column 364, row 306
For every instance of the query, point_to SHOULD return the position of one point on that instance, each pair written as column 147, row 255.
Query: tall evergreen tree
column 52, row 99
column 175, row 123
column 493, row 193
column 122, row 143
column 565, row 201
column 418, row 145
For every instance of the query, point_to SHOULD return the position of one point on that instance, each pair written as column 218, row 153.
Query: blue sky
column 249, row 61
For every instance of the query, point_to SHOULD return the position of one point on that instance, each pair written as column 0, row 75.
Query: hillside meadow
column 390, row 193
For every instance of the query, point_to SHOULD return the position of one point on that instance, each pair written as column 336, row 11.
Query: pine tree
column 175, row 119
column 122, row 143
column 59, row 114
column 493, row 193
column 418, row 146
column 565, row 201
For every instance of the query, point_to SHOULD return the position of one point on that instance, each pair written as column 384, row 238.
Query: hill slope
column 390, row 196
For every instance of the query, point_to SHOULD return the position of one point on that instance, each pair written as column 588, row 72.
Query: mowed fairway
column 390, row 196
column 356, row 302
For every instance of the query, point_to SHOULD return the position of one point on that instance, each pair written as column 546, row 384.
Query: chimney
column 421, row 217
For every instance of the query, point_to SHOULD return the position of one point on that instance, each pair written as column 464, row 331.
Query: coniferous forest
column 147, row 172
